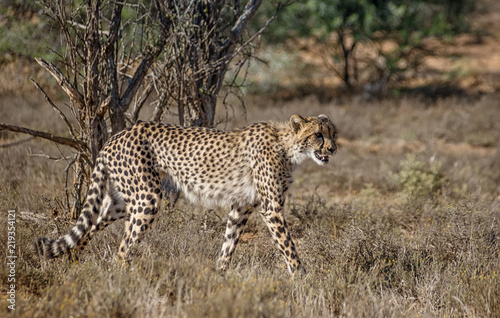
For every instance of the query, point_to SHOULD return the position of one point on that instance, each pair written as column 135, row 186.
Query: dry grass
column 381, row 233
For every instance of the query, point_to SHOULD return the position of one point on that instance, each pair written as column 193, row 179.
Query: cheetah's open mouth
column 321, row 158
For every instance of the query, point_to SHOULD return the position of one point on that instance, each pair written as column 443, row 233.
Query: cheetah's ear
column 296, row 122
column 323, row 117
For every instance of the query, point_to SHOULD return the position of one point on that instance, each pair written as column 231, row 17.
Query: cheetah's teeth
column 321, row 158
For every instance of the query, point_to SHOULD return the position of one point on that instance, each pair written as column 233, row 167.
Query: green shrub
column 417, row 179
column 345, row 26
column 25, row 32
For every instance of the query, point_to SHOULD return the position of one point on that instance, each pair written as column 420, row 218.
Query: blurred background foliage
column 368, row 45
column 365, row 18
column 396, row 29
column 25, row 32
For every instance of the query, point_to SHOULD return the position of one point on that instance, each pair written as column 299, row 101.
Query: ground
column 403, row 222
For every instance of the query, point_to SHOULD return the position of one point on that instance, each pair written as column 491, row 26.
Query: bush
column 345, row 26
column 417, row 179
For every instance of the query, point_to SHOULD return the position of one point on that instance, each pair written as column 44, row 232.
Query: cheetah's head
column 315, row 138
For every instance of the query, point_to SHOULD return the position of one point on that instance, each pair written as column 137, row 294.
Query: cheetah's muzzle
column 324, row 159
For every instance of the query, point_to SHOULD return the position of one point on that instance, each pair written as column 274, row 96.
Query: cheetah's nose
column 331, row 149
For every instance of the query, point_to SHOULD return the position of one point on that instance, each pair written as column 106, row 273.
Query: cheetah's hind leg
column 236, row 221
column 113, row 208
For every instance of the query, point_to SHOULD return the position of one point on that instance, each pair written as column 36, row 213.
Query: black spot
column 86, row 214
column 81, row 228
column 275, row 220
column 74, row 236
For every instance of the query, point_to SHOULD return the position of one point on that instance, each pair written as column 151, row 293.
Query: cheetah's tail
column 54, row 248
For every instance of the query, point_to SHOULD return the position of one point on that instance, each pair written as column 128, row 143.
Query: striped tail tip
column 50, row 249
column 44, row 248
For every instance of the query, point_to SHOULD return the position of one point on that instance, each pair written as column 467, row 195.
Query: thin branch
column 146, row 63
column 83, row 27
column 73, row 143
column 17, row 142
column 240, row 25
column 71, row 91
column 142, row 99
column 44, row 155
column 66, row 177
column 110, row 52
column 160, row 107
column 258, row 33
column 61, row 114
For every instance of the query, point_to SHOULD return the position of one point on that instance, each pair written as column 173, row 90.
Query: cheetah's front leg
column 275, row 221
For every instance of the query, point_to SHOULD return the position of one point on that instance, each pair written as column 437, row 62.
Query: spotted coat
column 244, row 168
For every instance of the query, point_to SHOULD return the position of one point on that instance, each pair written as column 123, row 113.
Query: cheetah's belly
column 229, row 189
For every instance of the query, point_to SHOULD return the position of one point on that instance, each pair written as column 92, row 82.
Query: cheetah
column 243, row 168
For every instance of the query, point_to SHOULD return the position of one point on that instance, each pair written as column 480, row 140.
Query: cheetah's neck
column 291, row 146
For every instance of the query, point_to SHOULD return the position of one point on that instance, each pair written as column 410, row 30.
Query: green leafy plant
column 417, row 179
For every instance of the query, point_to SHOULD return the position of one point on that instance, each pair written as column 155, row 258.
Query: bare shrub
column 120, row 55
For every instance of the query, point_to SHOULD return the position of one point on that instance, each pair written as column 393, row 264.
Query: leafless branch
column 44, row 155
column 61, row 114
column 247, row 14
column 258, row 33
column 76, row 144
column 16, row 143
column 142, row 100
column 70, row 90
column 83, row 27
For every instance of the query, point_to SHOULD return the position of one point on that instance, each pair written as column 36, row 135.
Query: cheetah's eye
column 319, row 135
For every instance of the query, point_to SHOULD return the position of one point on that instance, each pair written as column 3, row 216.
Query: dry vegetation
column 404, row 222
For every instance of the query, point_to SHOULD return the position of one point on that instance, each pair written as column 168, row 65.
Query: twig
column 71, row 91
column 142, row 99
column 44, row 155
column 83, row 27
column 61, row 114
column 66, row 177
column 17, row 142
column 258, row 33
